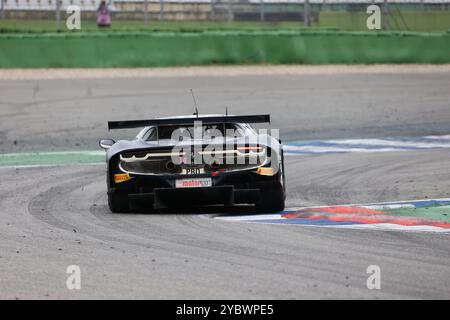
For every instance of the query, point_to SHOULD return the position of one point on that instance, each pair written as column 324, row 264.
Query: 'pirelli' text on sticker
column 121, row 177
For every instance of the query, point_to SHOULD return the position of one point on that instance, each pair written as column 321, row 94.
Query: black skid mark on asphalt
column 157, row 236
column 103, row 213
column 36, row 90
column 89, row 91
column 38, row 205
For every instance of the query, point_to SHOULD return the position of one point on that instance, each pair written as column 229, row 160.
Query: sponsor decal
column 193, row 183
column 264, row 171
column 121, row 177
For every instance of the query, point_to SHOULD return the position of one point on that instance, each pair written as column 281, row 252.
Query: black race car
column 195, row 161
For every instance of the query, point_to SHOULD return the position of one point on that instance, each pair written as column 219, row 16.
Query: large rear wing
column 128, row 124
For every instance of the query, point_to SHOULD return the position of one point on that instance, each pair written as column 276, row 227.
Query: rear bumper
column 228, row 188
column 180, row 197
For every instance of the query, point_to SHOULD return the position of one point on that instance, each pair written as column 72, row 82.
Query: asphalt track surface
column 52, row 217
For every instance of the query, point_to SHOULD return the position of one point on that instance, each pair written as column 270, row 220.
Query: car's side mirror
column 106, row 143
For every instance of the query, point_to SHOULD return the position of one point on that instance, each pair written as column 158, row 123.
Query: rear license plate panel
column 193, row 171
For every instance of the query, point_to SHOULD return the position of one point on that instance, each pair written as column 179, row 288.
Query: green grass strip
column 51, row 158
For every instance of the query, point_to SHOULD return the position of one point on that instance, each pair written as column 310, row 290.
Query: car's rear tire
column 272, row 200
column 118, row 203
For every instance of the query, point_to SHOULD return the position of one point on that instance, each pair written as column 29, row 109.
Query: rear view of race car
column 195, row 161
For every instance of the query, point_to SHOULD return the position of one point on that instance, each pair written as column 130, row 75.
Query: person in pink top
column 103, row 15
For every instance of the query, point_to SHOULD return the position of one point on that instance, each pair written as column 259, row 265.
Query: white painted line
column 255, row 217
column 329, row 149
column 372, row 205
column 367, row 145
column 389, row 226
column 390, row 206
column 392, row 143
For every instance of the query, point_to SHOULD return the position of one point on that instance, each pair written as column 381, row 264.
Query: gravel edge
column 218, row 71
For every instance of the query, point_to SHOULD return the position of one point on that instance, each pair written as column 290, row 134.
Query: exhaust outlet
column 170, row 165
column 214, row 165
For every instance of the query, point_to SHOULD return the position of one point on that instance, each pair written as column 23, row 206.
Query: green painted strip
column 51, row 158
column 159, row 49
column 441, row 213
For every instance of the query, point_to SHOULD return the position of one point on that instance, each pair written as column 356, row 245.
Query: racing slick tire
column 272, row 200
column 118, row 203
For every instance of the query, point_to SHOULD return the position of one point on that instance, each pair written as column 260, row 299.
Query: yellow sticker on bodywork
column 265, row 171
column 121, row 177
